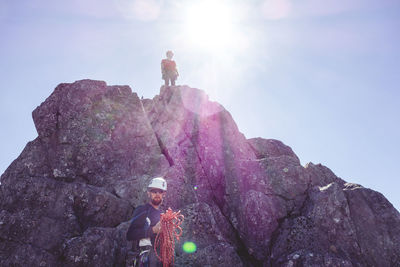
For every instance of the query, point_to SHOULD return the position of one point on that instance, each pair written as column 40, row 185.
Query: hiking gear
column 145, row 217
column 141, row 227
column 142, row 258
column 165, row 240
column 168, row 70
column 145, row 242
column 168, row 65
column 159, row 183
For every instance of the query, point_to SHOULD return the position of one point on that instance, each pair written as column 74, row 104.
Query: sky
column 321, row 76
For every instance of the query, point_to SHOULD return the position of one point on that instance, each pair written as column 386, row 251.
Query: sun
column 210, row 24
column 214, row 40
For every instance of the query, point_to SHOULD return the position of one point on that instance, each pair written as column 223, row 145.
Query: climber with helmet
column 145, row 224
column 168, row 69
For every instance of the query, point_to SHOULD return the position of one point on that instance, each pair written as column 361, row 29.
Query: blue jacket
column 141, row 227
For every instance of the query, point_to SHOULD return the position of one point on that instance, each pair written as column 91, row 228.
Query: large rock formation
column 67, row 199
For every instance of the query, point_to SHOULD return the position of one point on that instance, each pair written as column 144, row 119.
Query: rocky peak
column 68, row 198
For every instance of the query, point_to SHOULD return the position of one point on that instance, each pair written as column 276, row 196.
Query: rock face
column 68, row 198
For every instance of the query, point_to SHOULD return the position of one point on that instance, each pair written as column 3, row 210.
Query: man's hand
column 157, row 228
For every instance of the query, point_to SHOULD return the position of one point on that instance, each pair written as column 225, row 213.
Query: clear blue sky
column 321, row 76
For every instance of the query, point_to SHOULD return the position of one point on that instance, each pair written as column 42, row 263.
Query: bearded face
column 156, row 201
column 156, row 196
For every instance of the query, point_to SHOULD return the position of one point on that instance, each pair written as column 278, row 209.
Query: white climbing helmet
column 158, row 183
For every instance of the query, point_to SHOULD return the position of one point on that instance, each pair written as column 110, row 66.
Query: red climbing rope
column 165, row 240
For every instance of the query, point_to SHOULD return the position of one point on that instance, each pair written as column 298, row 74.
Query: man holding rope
column 146, row 225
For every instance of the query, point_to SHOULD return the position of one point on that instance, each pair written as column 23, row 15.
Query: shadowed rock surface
column 68, row 198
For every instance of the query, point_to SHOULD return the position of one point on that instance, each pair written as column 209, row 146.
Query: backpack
column 168, row 65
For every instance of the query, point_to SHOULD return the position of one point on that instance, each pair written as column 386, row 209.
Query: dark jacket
column 140, row 227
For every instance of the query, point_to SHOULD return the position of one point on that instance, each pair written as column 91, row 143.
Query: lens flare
column 195, row 187
column 212, row 26
column 189, row 247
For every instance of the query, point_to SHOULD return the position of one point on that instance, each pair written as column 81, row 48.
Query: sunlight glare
column 209, row 24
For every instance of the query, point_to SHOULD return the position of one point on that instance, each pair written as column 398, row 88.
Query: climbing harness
column 142, row 259
column 165, row 240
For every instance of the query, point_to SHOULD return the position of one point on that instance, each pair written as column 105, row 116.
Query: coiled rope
column 165, row 239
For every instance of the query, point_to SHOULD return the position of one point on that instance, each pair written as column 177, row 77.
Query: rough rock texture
column 67, row 199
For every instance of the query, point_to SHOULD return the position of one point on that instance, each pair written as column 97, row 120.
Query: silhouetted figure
column 168, row 69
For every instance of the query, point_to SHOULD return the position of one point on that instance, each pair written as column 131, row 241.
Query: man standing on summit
column 145, row 224
column 168, row 69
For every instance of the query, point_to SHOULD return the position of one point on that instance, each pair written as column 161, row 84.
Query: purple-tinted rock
column 376, row 224
column 270, row 148
column 206, row 227
column 68, row 198
column 321, row 175
column 97, row 134
column 96, row 247
column 216, row 254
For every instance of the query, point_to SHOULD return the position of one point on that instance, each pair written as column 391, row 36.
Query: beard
column 156, row 202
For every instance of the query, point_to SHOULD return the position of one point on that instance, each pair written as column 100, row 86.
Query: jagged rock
column 376, row 223
column 321, row 175
column 270, row 148
column 95, row 247
column 326, row 211
column 97, row 134
column 217, row 254
column 67, row 199
column 211, row 232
